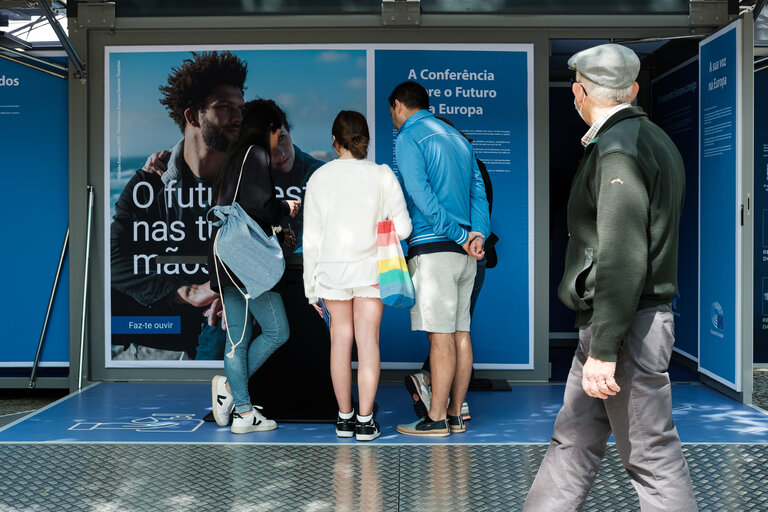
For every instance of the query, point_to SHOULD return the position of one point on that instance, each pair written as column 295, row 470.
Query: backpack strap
column 382, row 213
column 242, row 164
column 216, row 261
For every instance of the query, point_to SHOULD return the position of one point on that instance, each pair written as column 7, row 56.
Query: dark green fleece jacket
column 623, row 218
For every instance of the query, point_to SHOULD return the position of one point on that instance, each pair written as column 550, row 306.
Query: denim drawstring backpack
column 240, row 244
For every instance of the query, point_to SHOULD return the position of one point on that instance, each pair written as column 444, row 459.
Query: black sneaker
column 456, row 424
column 425, row 427
column 367, row 431
column 345, row 427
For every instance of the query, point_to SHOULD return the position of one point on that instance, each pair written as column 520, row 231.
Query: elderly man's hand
column 598, row 378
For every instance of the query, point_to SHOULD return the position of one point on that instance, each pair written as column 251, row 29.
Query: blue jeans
column 247, row 355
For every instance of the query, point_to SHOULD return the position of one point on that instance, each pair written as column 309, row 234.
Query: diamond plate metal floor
column 371, row 478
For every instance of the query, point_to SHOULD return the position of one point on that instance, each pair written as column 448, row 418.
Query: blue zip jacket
column 442, row 184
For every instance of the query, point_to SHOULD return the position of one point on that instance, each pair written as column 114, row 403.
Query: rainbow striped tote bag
column 395, row 283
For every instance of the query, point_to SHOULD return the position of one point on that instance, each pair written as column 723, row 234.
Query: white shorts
column 328, row 293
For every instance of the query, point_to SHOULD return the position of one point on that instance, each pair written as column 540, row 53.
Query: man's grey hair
column 606, row 95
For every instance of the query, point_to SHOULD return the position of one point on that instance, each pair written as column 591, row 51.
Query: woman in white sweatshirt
column 344, row 201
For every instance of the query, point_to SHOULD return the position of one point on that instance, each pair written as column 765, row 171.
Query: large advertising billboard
column 720, row 218
column 162, row 311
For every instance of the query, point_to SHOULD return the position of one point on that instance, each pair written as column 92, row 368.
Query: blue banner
column 719, row 211
column 34, row 128
column 486, row 95
column 146, row 325
column 760, row 316
column 675, row 109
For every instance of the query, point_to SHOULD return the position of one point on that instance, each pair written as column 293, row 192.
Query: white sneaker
column 464, row 410
column 221, row 401
column 255, row 422
column 420, row 391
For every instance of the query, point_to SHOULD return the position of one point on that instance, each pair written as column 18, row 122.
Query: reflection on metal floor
column 142, row 447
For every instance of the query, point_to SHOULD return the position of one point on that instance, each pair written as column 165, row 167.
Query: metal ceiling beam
column 80, row 71
column 17, row 14
column 759, row 4
column 33, row 66
column 708, row 13
column 33, row 58
column 8, row 40
column 28, row 26
column 20, row 4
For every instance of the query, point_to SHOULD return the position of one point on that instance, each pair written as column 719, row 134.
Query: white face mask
column 579, row 109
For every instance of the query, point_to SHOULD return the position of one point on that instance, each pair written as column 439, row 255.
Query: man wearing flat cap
column 620, row 276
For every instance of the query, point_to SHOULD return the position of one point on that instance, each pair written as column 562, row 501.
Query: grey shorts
column 443, row 282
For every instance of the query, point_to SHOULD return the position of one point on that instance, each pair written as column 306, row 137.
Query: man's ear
column 191, row 117
column 578, row 90
column 635, row 89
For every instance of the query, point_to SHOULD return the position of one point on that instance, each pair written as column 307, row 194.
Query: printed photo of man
column 159, row 230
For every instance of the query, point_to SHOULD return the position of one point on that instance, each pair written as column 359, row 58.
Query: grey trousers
column 640, row 417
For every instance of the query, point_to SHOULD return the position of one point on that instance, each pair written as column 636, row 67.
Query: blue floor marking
column 172, row 412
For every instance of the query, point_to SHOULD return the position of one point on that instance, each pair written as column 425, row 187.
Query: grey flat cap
column 610, row 65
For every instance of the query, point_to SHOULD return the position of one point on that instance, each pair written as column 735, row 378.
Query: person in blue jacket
column 446, row 200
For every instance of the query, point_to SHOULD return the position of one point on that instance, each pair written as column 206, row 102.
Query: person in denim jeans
column 245, row 177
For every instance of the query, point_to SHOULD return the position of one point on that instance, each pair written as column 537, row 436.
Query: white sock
column 364, row 419
column 346, row 415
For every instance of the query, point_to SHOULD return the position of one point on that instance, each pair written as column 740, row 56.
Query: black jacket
column 146, row 225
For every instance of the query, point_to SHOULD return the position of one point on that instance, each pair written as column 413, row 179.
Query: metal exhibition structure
column 556, row 29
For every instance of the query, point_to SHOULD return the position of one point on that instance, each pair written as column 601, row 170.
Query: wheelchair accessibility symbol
column 154, row 423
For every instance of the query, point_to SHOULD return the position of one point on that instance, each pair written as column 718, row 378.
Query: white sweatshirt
column 343, row 204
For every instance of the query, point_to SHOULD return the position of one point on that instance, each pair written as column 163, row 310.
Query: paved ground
column 15, row 403
column 760, row 388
